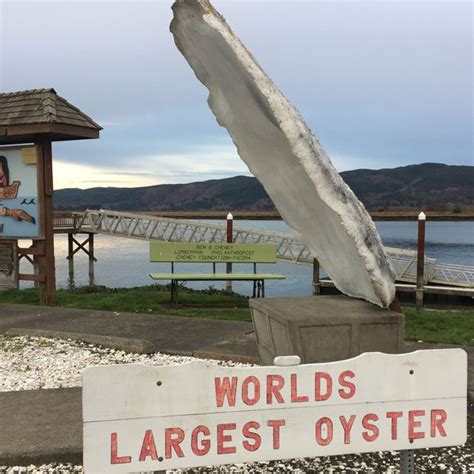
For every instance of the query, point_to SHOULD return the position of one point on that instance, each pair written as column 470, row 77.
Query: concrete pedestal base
column 324, row 328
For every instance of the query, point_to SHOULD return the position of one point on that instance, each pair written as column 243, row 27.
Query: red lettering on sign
column 274, row 384
column 276, row 424
column 203, row 447
column 114, row 458
column 256, row 390
column 295, row 398
column 394, row 416
column 255, row 437
column 438, row 417
column 222, row 438
column 373, row 432
column 225, row 389
column 173, row 438
column 347, row 426
column 349, row 386
column 148, row 447
column 319, row 394
column 323, row 440
column 413, row 424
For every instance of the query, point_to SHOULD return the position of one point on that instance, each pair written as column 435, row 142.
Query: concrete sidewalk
column 42, row 426
column 131, row 332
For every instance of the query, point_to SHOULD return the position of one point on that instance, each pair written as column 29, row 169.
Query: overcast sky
column 382, row 83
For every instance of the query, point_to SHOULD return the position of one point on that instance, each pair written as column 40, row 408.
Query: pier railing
column 65, row 220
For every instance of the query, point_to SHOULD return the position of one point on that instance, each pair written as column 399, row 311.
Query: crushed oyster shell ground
column 36, row 363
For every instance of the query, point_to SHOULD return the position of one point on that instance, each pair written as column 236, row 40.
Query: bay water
column 125, row 262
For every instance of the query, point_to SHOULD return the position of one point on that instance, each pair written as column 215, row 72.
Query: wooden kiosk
column 29, row 122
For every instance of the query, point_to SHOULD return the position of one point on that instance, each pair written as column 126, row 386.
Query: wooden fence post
column 92, row 260
column 316, row 281
column 47, row 288
column 230, row 240
column 420, row 261
column 70, row 258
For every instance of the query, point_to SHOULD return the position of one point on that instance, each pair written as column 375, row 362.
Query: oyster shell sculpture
column 282, row 152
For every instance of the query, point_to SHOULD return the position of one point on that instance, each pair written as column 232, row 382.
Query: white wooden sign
column 144, row 418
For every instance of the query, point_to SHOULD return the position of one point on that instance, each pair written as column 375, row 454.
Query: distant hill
column 428, row 185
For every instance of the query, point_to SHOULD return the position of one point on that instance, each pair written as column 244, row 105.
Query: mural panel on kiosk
column 18, row 193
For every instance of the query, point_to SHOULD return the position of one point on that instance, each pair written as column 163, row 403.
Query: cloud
column 203, row 163
column 380, row 83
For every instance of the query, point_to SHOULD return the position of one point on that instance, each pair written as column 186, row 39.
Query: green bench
column 177, row 252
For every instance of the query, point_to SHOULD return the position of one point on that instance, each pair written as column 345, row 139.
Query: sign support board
column 144, row 418
column 8, row 264
column 46, row 254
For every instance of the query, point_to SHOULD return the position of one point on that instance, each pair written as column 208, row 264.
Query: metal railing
column 62, row 220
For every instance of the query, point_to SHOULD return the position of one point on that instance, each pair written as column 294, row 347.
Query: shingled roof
column 44, row 111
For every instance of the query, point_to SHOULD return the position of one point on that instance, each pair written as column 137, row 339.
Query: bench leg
column 263, row 288
column 254, row 289
column 174, row 293
column 176, row 290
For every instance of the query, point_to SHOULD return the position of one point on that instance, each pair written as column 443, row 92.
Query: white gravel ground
column 35, row 363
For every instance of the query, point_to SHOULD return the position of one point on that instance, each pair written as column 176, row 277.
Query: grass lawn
column 444, row 326
column 153, row 299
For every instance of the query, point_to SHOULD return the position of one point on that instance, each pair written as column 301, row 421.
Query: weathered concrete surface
column 281, row 151
column 142, row 333
column 41, row 426
column 324, row 328
column 241, row 349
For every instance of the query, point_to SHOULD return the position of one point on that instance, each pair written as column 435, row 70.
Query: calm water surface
column 124, row 262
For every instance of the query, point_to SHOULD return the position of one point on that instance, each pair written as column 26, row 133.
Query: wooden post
column 70, row 258
column 230, row 240
column 316, row 281
column 35, row 265
column 47, row 288
column 91, row 259
column 75, row 246
column 420, row 260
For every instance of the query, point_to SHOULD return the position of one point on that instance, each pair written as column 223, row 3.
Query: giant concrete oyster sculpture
column 281, row 151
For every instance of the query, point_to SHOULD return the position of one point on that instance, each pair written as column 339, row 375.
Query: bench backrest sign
column 212, row 252
column 145, row 418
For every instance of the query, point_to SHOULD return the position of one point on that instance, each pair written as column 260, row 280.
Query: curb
column 136, row 346
column 65, row 456
column 241, row 359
